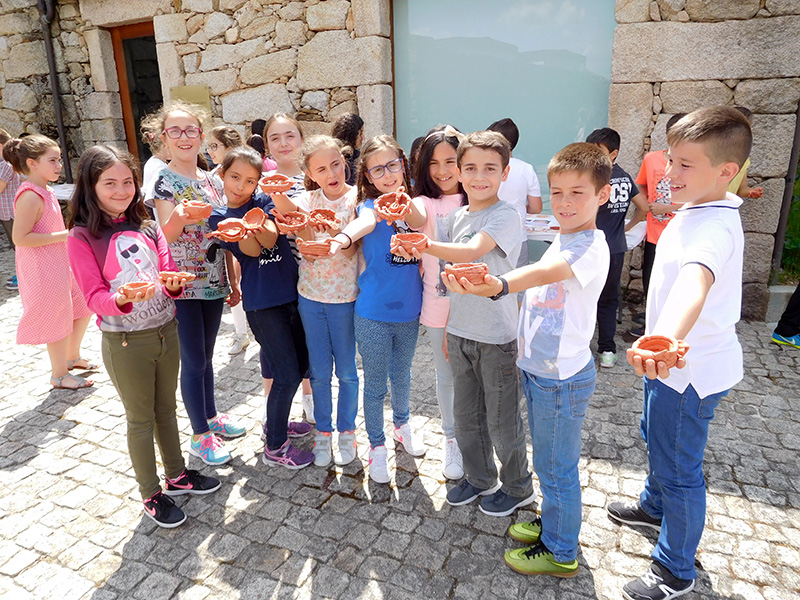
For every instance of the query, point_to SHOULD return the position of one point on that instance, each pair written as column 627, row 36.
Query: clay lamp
column 130, row 290
column 660, row 348
column 290, row 222
column 324, row 217
column 197, row 209
column 166, row 275
column 393, row 206
column 275, row 184
column 254, row 218
column 409, row 241
column 472, row 272
column 229, row 230
column 311, row 248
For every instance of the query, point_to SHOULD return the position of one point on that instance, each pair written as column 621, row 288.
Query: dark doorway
column 139, row 81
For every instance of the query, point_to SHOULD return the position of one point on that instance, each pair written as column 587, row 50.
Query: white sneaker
column 453, row 466
column 239, row 343
column 379, row 465
column 347, row 450
column 308, row 408
column 405, row 436
column 322, row 449
column 608, row 359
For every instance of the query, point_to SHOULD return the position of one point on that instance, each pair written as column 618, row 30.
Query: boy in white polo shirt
column 695, row 295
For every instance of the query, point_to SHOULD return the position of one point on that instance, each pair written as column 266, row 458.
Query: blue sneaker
column 793, row 340
column 501, row 504
column 224, row 427
column 210, row 450
column 11, row 283
column 465, row 492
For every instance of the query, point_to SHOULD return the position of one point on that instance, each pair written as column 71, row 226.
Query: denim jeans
column 331, row 339
column 607, row 305
column 279, row 331
column 198, row 325
column 387, row 350
column 675, row 428
column 444, row 381
column 487, row 414
column 556, row 409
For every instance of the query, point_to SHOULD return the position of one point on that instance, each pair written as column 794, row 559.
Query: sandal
column 90, row 366
column 80, row 382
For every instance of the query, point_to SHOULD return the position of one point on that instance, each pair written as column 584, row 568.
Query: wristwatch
column 501, row 293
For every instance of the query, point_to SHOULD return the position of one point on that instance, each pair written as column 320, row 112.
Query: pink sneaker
column 287, row 456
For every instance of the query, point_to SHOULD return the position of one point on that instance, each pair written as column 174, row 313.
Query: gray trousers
column 487, row 414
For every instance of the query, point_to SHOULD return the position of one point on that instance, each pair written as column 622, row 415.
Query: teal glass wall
column 544, row 63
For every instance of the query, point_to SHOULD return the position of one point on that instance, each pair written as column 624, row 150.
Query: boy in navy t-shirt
column 611, row 221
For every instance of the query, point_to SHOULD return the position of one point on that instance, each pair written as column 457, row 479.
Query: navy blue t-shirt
column 611, row 215
column 269, row 279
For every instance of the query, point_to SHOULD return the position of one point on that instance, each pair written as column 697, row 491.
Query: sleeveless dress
column 51, row 298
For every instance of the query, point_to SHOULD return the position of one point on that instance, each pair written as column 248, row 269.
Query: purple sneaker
column 287, row 456
column 295, row 429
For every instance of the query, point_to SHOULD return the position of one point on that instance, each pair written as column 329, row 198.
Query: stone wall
column 674, row 56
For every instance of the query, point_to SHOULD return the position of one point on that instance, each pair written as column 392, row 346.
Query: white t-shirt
column 152, row 167
column 710, row 235
column 520, row 183
column 557, row 320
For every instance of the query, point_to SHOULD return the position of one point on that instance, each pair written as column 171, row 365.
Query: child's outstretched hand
column 756, row 192
column 180, row 209
column 655, row 368
column 491, row 285
column 140, row 296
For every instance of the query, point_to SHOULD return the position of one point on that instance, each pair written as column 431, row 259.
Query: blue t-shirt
column 269, row 279
column 390, row 286
column 611, row 215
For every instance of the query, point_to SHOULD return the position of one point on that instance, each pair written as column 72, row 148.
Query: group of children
column 309, row 315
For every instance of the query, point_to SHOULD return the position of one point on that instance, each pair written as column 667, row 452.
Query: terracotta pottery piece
column 254, row 218
column 229, row 230
column 472, row 272
column 165, row 275
column 311, row 248
column 289, row 222
column 197, row 209
column 275, row 184
column 393, row 206
column 129, row 290
column 324, row 217
column 660, row 348
column 408, row 241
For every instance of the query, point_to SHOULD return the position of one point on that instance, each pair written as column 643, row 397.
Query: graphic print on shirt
column 619, row 199
column 393, row 259
column 543, row 324
column 663, row 196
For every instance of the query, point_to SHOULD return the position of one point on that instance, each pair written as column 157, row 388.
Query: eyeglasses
column 176, row 132
column 213, row 147
column 379, row 171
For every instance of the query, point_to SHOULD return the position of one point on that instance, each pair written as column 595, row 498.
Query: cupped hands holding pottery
column 409, row 245
column 471, row 278
column 393, row 206
column 135, row 291
column 654, row 355
column 192, row 212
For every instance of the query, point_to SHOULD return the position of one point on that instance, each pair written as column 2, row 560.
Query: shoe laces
column 222, row 419
column 210, row 442
column 651, row 579
column 537, row 550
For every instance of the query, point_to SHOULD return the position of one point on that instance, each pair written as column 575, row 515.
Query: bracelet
column 349, row 239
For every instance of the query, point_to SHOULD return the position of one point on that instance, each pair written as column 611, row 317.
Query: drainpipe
column 47, row 13
column 788, row 192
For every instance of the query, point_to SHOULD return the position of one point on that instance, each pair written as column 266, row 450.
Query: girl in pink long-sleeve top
column 112, row 245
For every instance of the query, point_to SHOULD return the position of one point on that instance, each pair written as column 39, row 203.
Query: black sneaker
column 163, row 511
column 191, row 482
column 632, row 514
column 657, row 584
column 638, row 318
column 465, row 492
column 501, row 504
column 637, row 332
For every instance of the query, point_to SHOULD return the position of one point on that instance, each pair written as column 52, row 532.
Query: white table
column 543, row 228
column 63, row 191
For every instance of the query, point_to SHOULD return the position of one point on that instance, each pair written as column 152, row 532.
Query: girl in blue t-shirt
column 269, row 296
column 388, row 305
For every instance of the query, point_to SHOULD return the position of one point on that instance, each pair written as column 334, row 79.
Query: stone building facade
column 319, row 59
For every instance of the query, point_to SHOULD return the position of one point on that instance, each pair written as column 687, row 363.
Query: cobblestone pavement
column 71, row 524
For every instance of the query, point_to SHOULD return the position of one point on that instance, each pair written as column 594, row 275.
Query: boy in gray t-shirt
column 481, row 336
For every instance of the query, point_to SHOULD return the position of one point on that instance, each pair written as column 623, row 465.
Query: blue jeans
column 198, row 325
column 556, row 409
column 387, row 350
column 279, row 331
column 331, row 338
column 675, row 428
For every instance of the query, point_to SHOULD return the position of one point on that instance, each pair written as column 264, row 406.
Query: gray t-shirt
column 473, row 317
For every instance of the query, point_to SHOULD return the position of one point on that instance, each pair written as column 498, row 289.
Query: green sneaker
column 527, row 533
column 538, row 560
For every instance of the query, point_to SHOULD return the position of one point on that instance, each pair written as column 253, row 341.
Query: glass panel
column 144, row 82
column 545, row 63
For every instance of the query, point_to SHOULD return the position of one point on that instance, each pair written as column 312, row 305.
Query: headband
column 448, row 131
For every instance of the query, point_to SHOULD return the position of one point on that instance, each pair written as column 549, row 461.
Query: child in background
column 112, row 243
column 558, row 373
column 349, row 129
column 151, row 135
column 521, row 187
column 611, row 221
column 258, row 127
column 269, row 283
column 389, row 301
column 9, row 182
column 481, row 335
column 220, row 140
column 437, row 186
column 199, row 309
column 695, row 296
column 54, row 311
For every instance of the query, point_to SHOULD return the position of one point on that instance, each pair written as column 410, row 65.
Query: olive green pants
column 143, row 366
